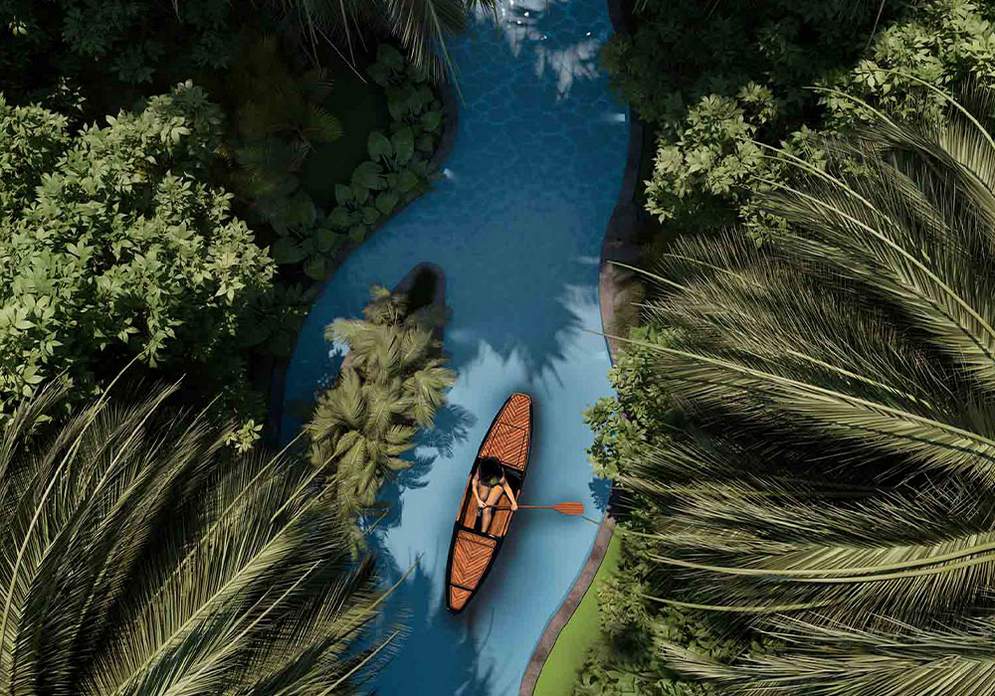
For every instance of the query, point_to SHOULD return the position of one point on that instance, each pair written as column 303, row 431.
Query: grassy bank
column 565, row 661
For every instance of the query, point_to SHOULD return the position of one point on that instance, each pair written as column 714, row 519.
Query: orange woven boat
column 471, row 551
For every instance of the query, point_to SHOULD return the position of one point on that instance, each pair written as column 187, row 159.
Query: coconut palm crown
column 392, row 383
column 422, row 27
column 835, row 484
column 140, row 555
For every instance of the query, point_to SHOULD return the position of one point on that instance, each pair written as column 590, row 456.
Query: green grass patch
column 362, row 108
column 566, row 660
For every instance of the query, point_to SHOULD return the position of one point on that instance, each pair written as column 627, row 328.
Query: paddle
column 573, row 508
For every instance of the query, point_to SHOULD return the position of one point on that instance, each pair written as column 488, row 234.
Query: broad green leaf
column 315, row 267
column 379, row 146
column 404, row 144
column 432, row 120
column 343, row 194
column 358, row 233
column 370, row 214
column 339, row 217
column 368, row 175
column 285, row 251
column 386, row 202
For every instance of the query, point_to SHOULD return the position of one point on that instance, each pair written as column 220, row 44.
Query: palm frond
column 835, row 660
column 837, row 456
column 138, row 555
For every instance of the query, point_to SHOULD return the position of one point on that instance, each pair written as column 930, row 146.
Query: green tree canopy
column 52, row 49
column 112, row 245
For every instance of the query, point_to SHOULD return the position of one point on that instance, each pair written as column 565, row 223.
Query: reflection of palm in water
column 530, row 25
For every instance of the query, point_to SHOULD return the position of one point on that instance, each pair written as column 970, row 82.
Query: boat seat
column 499, row 523
column 501, row 519
column 470, row 514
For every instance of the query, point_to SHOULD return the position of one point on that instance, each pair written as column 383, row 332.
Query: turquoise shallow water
column 516, row 223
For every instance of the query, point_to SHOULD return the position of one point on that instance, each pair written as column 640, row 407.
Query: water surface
column 516, row 223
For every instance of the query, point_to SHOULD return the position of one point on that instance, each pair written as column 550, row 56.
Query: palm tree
column 358, row 426
column 420, row 26
column 834, row 486
column 392, row 383
column 139, row 555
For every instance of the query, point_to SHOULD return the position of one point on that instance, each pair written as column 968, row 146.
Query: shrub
column 44, row 47
column 396, row 173
column 112, row 245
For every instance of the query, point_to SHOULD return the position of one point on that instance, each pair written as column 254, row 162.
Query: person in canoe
column 489, row 482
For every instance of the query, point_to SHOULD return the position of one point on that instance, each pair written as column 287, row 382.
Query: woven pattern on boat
column 471, row 556
column 508, row 444
column 516, row 411
column 458, row 597
column 509, row 438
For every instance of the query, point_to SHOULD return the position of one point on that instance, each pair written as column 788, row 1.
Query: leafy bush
column 45, row 46
column 112, row 245
column 640, row 411
column 280, row 115
column 713, row 79
column 685, row 50
column 710, row 109
column 944, row 43
column 628, row 660
column 396, row 173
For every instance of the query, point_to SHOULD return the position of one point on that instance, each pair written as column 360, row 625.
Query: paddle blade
column 575, row 508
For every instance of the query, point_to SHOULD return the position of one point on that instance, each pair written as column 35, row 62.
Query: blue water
column 516, row 223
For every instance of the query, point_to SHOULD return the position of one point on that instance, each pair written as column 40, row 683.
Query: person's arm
column 511, row 496
column 473, row 487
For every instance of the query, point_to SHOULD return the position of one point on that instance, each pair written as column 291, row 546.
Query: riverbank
column 554, row 663
column 569, row 653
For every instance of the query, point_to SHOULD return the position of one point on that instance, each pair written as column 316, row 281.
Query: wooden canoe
column 471, row 551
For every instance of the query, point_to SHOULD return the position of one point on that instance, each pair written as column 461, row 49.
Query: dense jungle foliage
column 718, row 81
column 160, row 221
column 113, row 244
column 171, row 184
column 800, row 428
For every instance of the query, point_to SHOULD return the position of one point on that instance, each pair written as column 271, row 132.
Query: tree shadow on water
column 452, row 425
column 534, row 323
column 601, row 490
column 525, row 246
column 438, row 656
